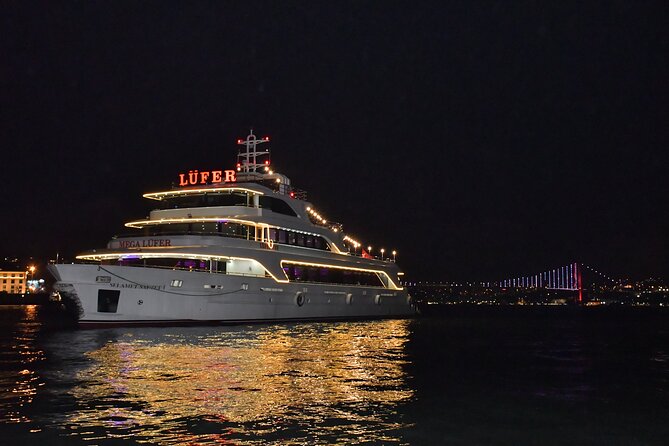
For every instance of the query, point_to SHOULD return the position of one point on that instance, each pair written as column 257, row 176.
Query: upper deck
column 252, row 201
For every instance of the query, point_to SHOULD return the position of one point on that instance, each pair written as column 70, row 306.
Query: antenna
column 248, row 157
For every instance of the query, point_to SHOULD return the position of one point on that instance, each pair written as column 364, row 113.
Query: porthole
column 299, row 299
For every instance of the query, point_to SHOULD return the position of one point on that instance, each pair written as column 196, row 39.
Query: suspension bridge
column 567, row 277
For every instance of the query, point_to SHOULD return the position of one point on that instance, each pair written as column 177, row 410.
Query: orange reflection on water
column 19, row 380
column 322, row 380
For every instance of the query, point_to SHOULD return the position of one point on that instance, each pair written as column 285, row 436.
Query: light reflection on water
column 298, row 382
column 19, row 381
column 463, row 376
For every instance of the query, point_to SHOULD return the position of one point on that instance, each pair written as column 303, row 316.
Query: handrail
column 169, row 233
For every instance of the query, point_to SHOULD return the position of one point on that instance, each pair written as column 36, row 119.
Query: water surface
column 456, row 376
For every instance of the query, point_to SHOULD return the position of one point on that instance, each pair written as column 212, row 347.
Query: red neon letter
column 216, row 176
column 203, row 177
column 182, row 180
column 230, row 176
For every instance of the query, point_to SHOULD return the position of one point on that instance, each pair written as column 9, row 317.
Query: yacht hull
column 118, row 295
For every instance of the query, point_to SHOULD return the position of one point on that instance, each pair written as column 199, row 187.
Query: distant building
column 13, row 282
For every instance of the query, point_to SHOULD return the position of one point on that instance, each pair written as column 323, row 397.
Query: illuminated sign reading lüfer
column 207, row 177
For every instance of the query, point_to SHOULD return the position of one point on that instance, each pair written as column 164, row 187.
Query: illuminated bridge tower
column 563, row 278
column 579, row 281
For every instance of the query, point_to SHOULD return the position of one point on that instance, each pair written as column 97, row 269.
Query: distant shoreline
column 24, row 299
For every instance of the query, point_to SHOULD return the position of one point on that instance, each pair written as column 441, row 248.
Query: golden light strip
column 143, row 223
column 161, row 195
column 347, row 268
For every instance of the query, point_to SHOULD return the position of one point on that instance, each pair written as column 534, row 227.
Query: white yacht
column 231, row 246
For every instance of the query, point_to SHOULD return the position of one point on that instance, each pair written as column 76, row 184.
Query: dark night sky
column 479, row 139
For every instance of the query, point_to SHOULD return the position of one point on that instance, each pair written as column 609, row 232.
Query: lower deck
column 129, row 295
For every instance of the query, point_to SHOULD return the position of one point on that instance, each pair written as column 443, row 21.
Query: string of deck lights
column 316, row 215
column 356, row 244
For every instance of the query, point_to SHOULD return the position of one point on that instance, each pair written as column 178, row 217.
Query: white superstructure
column 231, row 246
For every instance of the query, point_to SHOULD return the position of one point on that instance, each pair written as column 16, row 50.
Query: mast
column 249, row 158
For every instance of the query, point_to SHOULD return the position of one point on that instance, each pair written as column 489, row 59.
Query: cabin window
column 276, row 205
column 108, row 301
column 207, row 227
column 229, row 229
column 227, row 199
column 283, row 236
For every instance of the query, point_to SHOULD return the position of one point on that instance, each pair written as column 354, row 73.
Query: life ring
column 349, row 299
column 377, row 299
column 299, row 298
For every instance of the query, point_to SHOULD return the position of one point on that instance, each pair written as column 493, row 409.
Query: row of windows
column 215, row 199
column 243, row 267
column 286, row 237
column 12, row 280
column 226, row 229
column 171, row 263
column 322, row 274
column 227, row 199
column 295, row 273
column 238, row 230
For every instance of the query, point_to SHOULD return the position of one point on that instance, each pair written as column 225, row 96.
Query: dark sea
column 454, row 376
